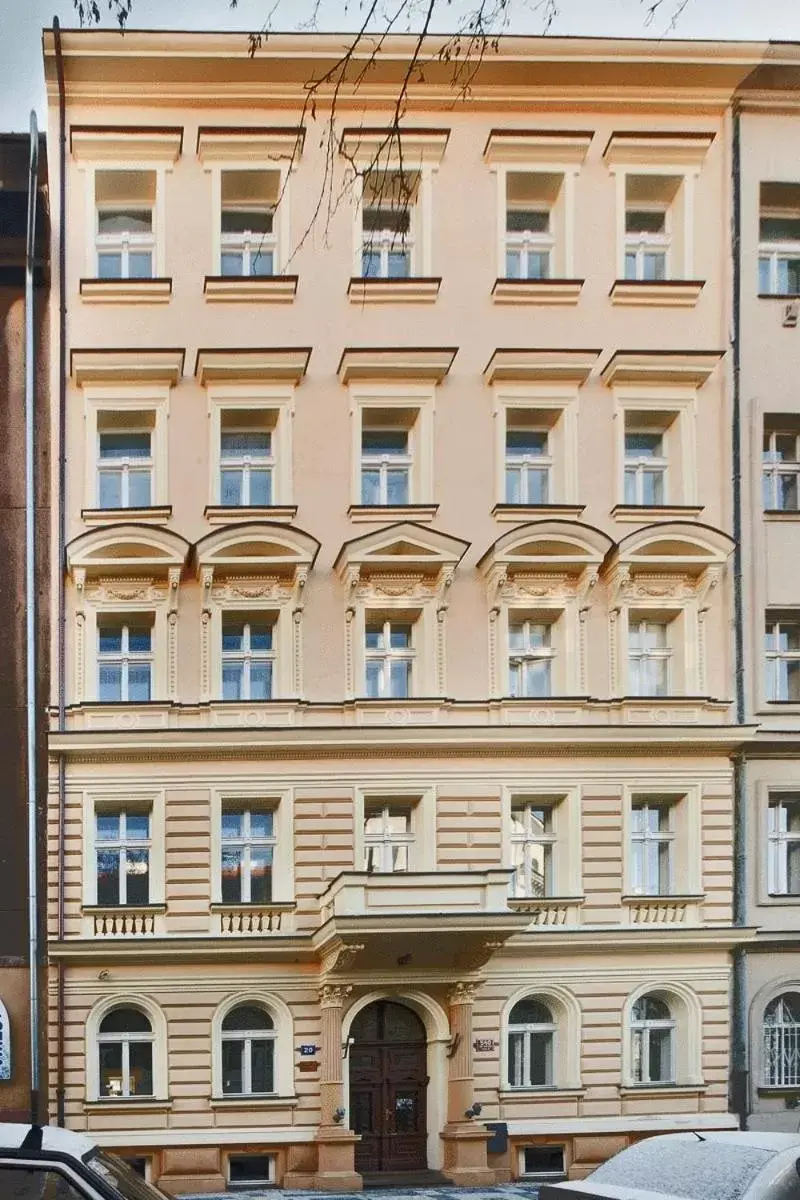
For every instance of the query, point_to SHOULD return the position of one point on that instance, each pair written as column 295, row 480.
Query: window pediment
column 401, row 549
column 95, row 143
column 535, row 366
column 127, row 366
column 554, row 546
column 257, row 549
column 384, row 147
column 225, row 143
column 537, row 146
column 127, row 549
column 675, row 545
column 680, row 148
column 692, row 368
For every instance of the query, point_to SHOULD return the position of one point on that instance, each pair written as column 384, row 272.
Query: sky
column 21, row 22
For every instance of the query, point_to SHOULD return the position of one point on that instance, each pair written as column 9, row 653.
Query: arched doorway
column 388, row 1083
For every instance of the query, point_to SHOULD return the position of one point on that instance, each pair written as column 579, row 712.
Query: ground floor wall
column 189, row 1134
column 773, row 971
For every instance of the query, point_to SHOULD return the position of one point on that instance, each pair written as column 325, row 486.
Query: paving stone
column 508, row 1191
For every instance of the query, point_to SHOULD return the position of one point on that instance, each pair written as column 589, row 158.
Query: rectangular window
column 388, row 219
column 651, row 849
column 649, row 657
column 780, row 470
column 250, row 1170
column 529, row 240
column 122, row 847
column 543, row 1162
column 389, row 659
column 530, row 659
column 528, row 465
column 125, row 224
column 649, row 202
column 248, row 658
column 248, row 244
column 124, row 461
column 783, row 846
column 247, row 849
column 246, row 459
column 388, row 837
column 532, row 848
column 124, row 662
column 782, row 660
column 779, row 240
column 385, row 466
column 645, row 468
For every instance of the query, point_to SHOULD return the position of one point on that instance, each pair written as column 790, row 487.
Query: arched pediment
column 683, row 544
column 567, row 545
column 405, row 545
column 259, row 546
column 129, row 548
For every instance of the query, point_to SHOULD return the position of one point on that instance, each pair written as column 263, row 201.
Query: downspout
column 61, row 550
column 31, row 612
column 739, row 1040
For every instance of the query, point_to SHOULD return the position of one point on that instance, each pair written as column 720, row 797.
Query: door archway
column 388, row 1086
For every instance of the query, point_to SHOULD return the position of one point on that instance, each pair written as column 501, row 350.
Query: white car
column 46, row 1163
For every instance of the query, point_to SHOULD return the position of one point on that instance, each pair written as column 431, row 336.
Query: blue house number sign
column 308, row 1051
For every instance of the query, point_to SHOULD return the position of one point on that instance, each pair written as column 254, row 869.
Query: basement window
column 542, row 1162
column 251, row 1170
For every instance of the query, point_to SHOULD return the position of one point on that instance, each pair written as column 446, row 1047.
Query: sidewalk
column 508, row 1191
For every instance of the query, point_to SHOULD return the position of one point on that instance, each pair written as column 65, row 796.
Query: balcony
column 144, row 921
column 436, row 918
column 663, row 910
column 252, row 920
column 548, row 912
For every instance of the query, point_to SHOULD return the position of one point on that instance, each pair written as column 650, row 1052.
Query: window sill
column 666, row 293
column 224, row 514
column 537, row 291
column 415, row 289
column 782, row 514
column 784, row 1090
column 149, row 1104
column 644, row 513
column 91, row 909
column 551, row 1091
column 780, row 900
column 779, row 296
column 251, row 1102
column 534, row 512
column 647, row 1090
column 126, row 291
column 266, row 906
column 158, row 514
column 387, row 513
column 252, row 289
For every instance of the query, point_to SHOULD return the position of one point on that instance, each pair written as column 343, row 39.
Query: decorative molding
column 146, row 365
column 537, row 147
column 174, row 579
column 533, row 366
column 463, row 993
column 282, row 364
column 264, row 144
column 692, row 368
column 206, row 582
column 334, row 995
column 429, row 364
column 381, row 147
column 122, row 143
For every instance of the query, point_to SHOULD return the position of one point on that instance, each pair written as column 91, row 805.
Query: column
column 464, row 1136
column 335, row 1142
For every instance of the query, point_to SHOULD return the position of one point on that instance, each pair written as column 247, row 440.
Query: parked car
column 45, row 1163
column 694, row 1166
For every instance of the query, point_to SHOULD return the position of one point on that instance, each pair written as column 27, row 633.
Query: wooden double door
column 388, row 1085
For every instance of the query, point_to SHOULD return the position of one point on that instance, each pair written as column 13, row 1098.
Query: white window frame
column 388, row 655
column 247, row 842
column 158, row 1025
column 773, row 469
column 643, row 655
column 774, row 658
column 276, row 402
column 684, row 194
column 248, row 656
column 564, row 803
column 115, row 800
column 642, row 839
column 249, row 244
column 126, row 658
column 644, row 1028
column 644, row 244
column 687, row 844
column 122, row 844
column 783, row 1031
column 158, row 168
column 559, row 400
column 248, row 1036
column 418, row 398
column 280, row 238
column 776, row 252
column 640, row 465
column 420, row 212
column 247, row 463
column 125, row 243
column 125, row 1040
column 123, row 465
column 778, row 844
column 530, row 654
column 127, row 399
column 538, row 162
column 421, row 804
column 386, row 841
column 383, row 462
column 528, row 1031
column 529, row 840
column 529, row 464
column 283, row 1025
column 281, row 804
column 528, row 242
column 386, row 241
column 678, row 403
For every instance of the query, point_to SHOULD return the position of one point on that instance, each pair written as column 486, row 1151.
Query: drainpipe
column 61, row 550
column 739, row 1040
column 31, row 610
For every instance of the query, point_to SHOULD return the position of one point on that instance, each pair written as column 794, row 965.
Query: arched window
column 248, row 1051
column 782, row 1041
column 652, row 1041
column 125, row 1045
column 531, row 1044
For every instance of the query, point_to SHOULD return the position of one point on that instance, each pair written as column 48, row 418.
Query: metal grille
column 5, row 1044
column 782, row 1055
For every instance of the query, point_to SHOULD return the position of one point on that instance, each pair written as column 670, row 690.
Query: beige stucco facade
column 455, row 358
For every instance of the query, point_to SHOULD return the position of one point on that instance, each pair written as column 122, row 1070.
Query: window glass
column 36, row 1183
column 645, row 220
column 779, row 229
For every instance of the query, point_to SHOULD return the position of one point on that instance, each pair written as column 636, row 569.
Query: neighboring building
column 397, row 752
column 770, row 424
column 15, row 1066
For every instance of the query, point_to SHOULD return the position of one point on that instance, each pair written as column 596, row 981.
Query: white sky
column 21, row 21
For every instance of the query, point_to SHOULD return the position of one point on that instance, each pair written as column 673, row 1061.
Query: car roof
column 55, row 1140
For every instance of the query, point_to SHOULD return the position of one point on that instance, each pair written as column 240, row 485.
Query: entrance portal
column 388, row 1083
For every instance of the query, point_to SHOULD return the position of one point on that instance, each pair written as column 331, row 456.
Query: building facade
column 769, row 291
column 15, row 1067
column 392, row 797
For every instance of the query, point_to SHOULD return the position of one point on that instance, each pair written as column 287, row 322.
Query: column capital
column 334, row 995
column 462, row 993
